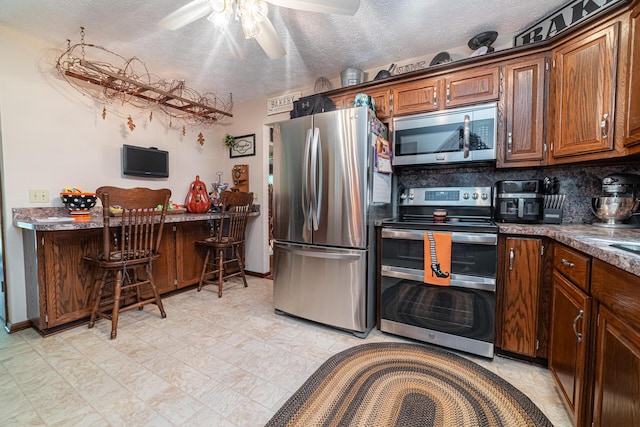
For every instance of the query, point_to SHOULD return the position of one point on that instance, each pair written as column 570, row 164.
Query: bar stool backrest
column 134, row 231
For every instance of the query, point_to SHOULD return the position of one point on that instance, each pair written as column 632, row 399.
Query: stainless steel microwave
column 464, row 134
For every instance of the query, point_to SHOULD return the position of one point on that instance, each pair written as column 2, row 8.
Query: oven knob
column 465, row 196
column 411, row 196
column 475, row 196
column 485, row 196
column 403, row 196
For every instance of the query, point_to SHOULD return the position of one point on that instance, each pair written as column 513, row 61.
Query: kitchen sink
column 625, row 245
column 631, row 247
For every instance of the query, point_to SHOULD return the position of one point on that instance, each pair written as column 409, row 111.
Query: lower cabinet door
column 570, row 325
column 520, row 295
column 617, row 384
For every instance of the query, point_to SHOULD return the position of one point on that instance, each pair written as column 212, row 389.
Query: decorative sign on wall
column 282, row 103
column 563, row 18
column 245, row 145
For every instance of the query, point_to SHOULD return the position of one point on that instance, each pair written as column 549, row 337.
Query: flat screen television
column 149, row 162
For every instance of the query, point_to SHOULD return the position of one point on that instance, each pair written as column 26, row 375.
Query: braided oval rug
column 397, row 384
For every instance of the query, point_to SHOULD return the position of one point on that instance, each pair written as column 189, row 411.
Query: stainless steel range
column 452, row 304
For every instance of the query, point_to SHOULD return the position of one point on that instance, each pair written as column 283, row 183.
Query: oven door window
column 467, row 313
column 467, row 259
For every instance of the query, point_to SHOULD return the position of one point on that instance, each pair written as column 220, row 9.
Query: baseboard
column 15, row 327
column 254, row 274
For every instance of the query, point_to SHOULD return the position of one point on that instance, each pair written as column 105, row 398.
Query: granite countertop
column 588, row 239
column 59, row 218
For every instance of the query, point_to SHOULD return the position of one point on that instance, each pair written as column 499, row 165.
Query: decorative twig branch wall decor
column 130, row 82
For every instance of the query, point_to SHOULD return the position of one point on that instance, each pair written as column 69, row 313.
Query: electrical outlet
column 38, row 196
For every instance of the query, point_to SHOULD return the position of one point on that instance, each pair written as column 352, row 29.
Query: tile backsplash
column 579, row 182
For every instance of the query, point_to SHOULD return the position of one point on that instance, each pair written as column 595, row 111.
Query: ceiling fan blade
column 340, row 7
column 268, row 39
column 188, row 13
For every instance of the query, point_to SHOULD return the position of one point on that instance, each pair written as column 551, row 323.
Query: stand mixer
column 618, row 207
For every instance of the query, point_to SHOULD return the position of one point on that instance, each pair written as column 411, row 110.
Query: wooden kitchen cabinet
column 381, row 97
column 616, row 400
column 343, row 100
column 521, row 295
column 59, row 284
column 189, row 258
column 582, row 97
column 524, row 298
column 57, row 278
column 523, row 140
column 631, row 126
column 419, row 96
column 570, row 338
column 474, row 86
column 457, row 89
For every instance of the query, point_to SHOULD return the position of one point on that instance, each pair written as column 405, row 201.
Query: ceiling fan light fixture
column 259, row 10
column 249, row 27
column 220, row 20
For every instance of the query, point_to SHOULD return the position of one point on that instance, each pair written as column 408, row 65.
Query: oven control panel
column 446, row 196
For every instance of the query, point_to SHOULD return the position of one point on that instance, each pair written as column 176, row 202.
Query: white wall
column 54, row 137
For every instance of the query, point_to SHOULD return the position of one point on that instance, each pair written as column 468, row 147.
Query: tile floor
column 211, row 362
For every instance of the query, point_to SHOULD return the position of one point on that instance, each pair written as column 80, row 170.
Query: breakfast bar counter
column 59, row 283
column 59, row 219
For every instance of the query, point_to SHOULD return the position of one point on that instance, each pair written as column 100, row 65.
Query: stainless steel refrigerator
column 324, row 208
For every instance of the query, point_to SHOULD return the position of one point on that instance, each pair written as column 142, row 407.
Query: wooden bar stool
column 130, row 246
column 227, row 245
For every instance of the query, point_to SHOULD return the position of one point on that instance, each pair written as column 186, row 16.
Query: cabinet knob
column 567, row 263
column 604, row 126
column 575, row 322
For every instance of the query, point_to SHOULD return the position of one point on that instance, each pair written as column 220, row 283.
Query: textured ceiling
column 381, row 32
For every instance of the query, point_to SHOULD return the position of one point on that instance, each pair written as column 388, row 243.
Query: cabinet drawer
column 573, row 265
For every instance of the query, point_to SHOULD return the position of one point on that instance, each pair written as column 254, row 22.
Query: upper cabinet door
column 418, row 96
column 583, row 96
column 472, row 87
column 381, row 98
column 523, row 140
column 632, row 122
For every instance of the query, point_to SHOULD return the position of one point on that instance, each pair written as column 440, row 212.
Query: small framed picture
column 244, row 146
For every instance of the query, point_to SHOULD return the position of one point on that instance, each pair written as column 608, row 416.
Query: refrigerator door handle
column 322, row 254
column 318, row 185
column 314, row 179
column 306, row 202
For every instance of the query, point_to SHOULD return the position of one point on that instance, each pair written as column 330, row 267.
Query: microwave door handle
column 520, row 207
column 306, row 203
column 467, row 135
column 314, row 180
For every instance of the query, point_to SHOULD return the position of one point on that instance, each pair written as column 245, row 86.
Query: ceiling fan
column 252, row 14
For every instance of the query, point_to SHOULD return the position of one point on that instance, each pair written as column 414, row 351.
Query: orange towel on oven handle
column 442, row 249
